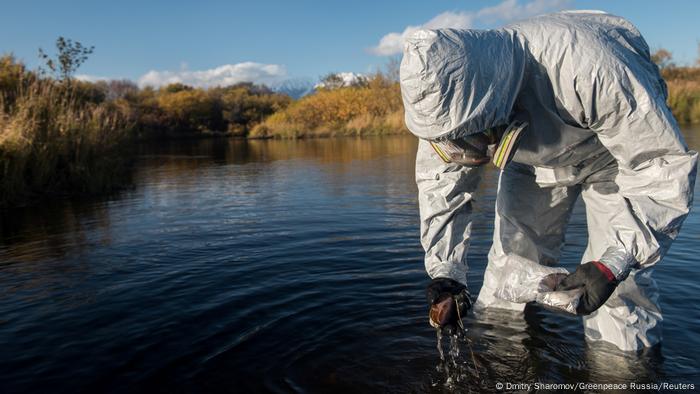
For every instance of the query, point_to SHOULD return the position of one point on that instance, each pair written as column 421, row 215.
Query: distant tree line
column 178, row 110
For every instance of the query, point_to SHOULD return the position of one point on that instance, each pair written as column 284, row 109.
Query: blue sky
column 206, row 42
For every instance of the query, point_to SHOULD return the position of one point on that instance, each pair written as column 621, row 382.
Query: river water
column 246, row 266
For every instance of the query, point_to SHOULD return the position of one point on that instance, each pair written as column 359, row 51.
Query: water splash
column 438, row 331
column 452, row 367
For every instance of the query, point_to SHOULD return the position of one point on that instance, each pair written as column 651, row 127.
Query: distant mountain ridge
column 295, row 87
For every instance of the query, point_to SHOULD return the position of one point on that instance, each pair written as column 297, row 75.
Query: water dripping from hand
column 454, row 368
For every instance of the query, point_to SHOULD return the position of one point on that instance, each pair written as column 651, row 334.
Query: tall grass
column 54, row 143
column 370, row 109
column 684, row 92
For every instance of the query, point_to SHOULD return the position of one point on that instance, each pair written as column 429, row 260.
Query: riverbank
column 371, row 108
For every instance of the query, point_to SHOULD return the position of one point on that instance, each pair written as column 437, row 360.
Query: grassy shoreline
column 372, row 108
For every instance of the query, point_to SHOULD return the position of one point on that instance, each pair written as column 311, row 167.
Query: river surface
column 285, row 266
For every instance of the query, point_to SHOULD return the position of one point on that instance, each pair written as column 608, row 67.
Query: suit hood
column 459, row 82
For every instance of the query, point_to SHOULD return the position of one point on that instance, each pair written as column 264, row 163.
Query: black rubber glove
column 449, row 301
column 597, row 281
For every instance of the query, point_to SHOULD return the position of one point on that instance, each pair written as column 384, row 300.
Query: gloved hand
column 449, row 302
column 597, row 281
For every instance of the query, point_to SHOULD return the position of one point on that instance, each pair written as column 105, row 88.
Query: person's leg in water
column 530, row 223
column 631, row 317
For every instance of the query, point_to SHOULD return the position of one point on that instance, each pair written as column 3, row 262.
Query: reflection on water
column 335, row 150
column 236, row 266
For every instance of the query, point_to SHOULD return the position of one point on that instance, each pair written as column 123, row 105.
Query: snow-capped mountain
column 338, row 80
column 295, row 88
column 300, row 87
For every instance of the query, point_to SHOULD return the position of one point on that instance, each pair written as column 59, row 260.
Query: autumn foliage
column 684, row 92
column 371, row 108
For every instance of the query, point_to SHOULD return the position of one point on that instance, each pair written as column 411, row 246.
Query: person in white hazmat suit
column 586, row 114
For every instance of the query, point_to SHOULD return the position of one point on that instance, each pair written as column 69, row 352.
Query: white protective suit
column 599, row 126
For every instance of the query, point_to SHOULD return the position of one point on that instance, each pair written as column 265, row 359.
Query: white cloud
column 510, row 10
column 227, row 74
column 506, row 11
column 392, row 43
column 459, row 20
